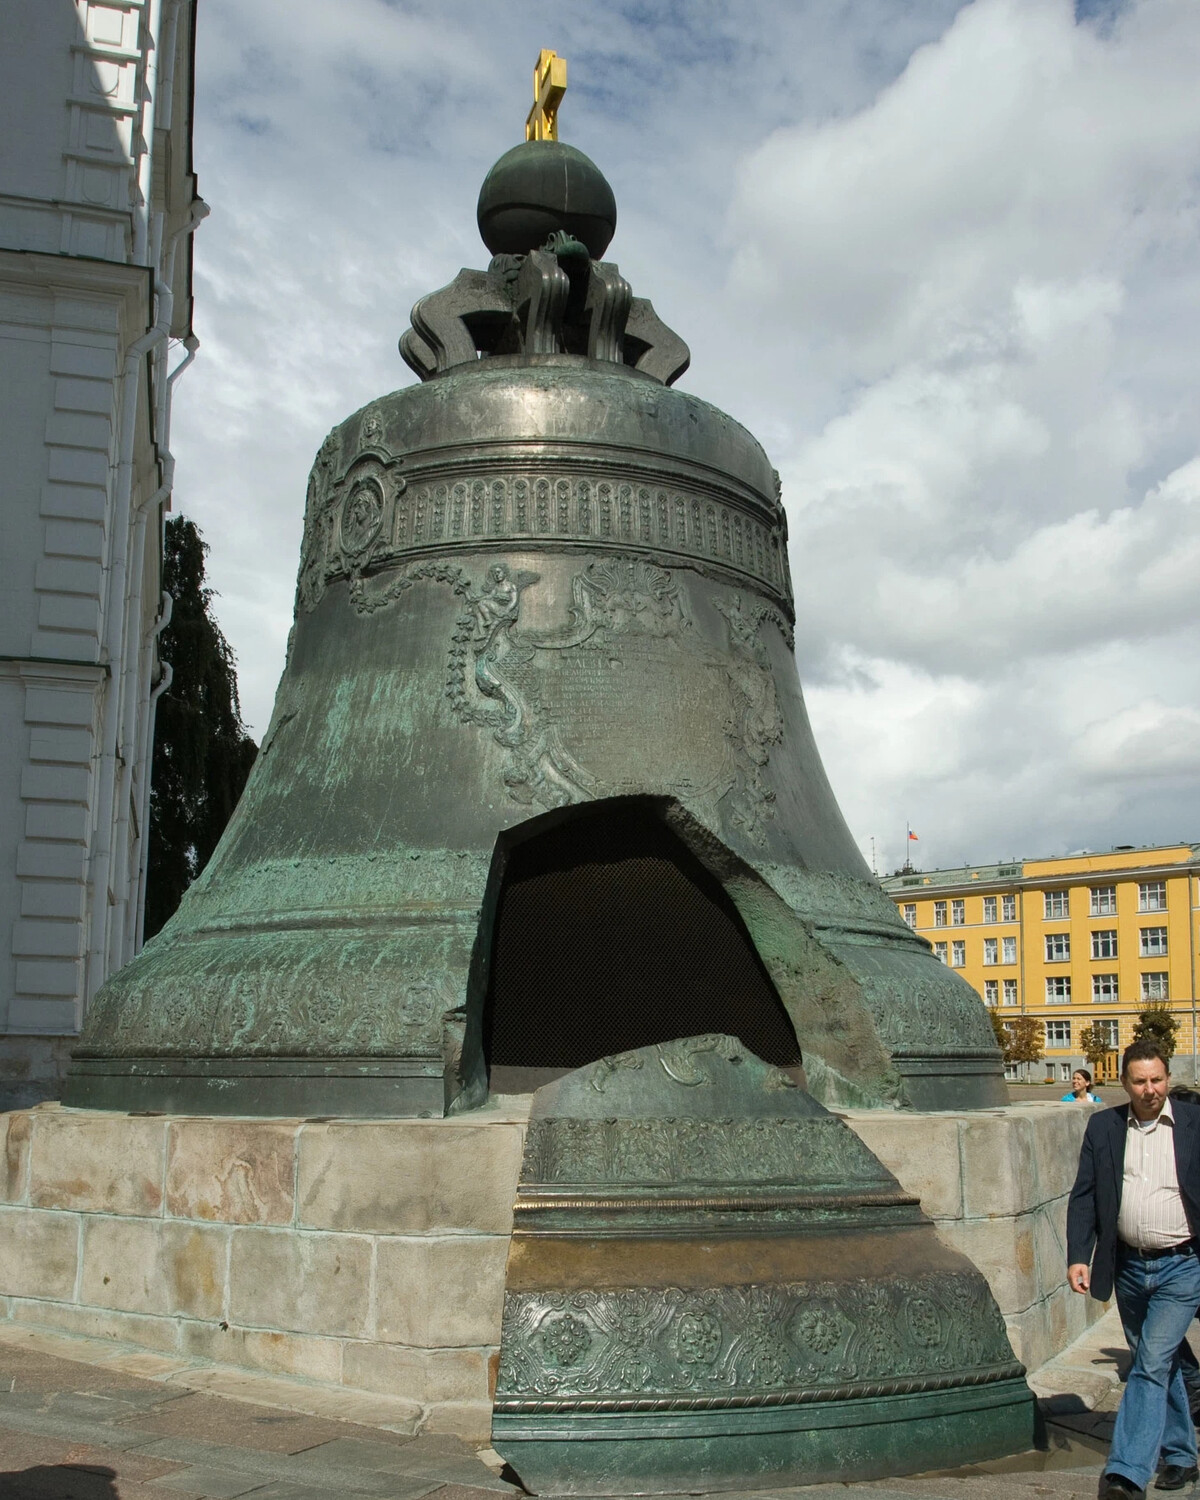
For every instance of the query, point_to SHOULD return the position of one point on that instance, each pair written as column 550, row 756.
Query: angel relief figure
column 494, row 612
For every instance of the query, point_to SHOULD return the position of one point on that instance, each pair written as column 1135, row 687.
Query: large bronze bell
column 539, row 785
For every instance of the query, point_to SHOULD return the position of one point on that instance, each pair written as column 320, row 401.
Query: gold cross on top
column 549, row 85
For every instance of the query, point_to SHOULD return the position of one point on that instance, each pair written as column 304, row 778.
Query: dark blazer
column 1096, row 1197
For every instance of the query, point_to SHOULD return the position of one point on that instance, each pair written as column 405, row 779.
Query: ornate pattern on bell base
column 668, row 1348
column 703, row 1253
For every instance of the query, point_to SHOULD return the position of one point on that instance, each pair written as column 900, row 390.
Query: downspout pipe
column 117, row 614
column 136, row 691
column 163, row 685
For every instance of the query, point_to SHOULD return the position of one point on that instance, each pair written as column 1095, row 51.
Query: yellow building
column 1085, row 940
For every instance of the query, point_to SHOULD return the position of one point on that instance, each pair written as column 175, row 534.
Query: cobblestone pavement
column 78, row 1431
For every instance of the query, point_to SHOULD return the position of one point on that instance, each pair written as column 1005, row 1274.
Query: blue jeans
column 1157, row 1300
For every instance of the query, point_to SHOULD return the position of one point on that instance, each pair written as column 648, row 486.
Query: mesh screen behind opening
column 610, row 936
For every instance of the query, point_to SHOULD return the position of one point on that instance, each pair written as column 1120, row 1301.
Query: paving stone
column 217, row 1484
column 280, row 1489
column 45, row 1422
column 303, row 1468
column 465, row 1492
column 201, row 1416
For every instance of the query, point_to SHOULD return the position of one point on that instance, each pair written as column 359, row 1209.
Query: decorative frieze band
column 754, row 1345
column 374, row 517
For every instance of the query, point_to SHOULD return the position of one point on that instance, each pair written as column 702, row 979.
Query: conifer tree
column 202, row 753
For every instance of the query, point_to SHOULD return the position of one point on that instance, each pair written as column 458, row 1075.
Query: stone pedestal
column 370, row 1255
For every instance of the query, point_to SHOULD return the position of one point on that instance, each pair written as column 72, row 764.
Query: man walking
column 1134, row 1214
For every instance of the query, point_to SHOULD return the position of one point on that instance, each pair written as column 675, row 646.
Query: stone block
column 1057, row 1136
column 1004, row 1250
column 441, row 1293
column 66, row 576
column 469, row 1420
column 100, row 1163
column 122, row 1265
column 423, row 1375
column 921, row 1151
column 1057, row 1320
column 193, row 1260
column 293, row 1354
column 16, row 1128
column 99, row 1323
column 51, row 861
column 76, row 612
column 39, row 1253
column 42, row 938
column 54, row 898
column 56, row 783
column 1077, row 1317
column 301, row 1282
column 1041, row 1331
column 1050, row 1235
column 997, row 1163
column 234, row 1171
column 409, row 1177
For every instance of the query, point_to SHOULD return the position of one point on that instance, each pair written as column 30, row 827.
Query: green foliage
column 1021, row 1039
column 202, row 753
column 1156, row 1024
column 1094, row 1044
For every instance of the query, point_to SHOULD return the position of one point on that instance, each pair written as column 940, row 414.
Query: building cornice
column 894, row 886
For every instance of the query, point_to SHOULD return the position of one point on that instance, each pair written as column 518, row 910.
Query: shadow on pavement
column 59, row 1482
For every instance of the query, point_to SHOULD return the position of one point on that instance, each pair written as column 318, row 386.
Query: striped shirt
column 1151, row 1216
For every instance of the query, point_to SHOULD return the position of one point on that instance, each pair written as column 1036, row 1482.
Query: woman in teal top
column 1081, row 1086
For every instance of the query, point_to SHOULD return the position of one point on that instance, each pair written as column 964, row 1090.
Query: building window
column 1010, row 992
column 1104, row 943
column 1104, row 988
column 939, row 914
column 1058, row 990
column 1110, row 1032
column 958, row 955
column 991, row 951
column 991, row 992
column 1104, row 901
column 1152, row 895
column 939, row 952
column 1154, row 986
column 1058, row 1033
column 1008, row 950
column 989, row 908
column 958, row 913
column 1154, row 942
column 1058, row 947
column 1057, row 904
column 1008, row 908
column 910, row 914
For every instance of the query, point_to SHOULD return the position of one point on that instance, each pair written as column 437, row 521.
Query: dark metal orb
column 542, row 186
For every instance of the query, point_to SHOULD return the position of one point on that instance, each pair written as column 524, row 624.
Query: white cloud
column 941, row 259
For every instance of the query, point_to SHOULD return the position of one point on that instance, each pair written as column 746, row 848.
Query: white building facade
column 97, row 206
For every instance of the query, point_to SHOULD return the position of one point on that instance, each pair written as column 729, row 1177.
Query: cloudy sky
column 941, row 258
